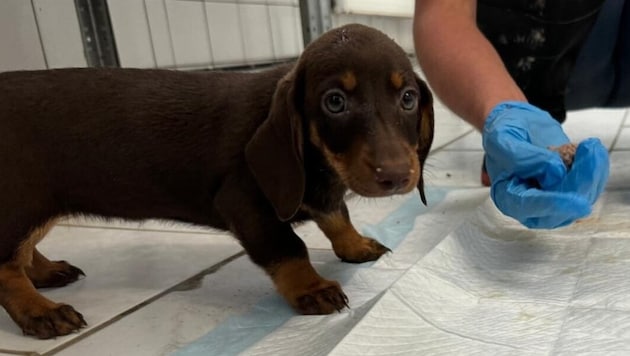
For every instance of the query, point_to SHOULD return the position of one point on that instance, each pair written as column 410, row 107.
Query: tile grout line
column 619, row 130
column 455, row 150
column 187, row 284
column 19, row 353
column 106, row 227
column 443, row 147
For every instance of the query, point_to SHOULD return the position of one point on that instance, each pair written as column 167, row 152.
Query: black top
column 539, row 42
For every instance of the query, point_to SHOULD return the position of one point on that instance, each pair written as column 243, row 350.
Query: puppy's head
column 354, row 95
column 367, row 110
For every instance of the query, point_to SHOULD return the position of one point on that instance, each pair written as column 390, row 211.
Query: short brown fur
column 251, row 153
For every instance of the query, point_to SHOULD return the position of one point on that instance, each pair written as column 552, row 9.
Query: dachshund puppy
column 251, row 153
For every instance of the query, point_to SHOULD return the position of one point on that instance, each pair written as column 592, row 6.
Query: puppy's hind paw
column 57, row 274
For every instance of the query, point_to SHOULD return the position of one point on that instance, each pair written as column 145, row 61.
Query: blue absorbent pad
column 462, row 279
column 239, row 333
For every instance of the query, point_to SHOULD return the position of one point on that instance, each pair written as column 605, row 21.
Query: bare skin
column 459, row 63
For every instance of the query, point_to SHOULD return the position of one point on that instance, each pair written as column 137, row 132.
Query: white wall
column 59, row 32
column 393, row 8
column 19, row 38
column 191, row 34
column 393, row 17
column 398, row 28
column 39, row 34
column 181, row 34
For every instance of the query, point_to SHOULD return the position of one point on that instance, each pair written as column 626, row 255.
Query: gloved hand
column 530, row 182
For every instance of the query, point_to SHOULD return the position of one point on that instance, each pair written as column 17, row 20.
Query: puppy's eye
column 334, row 102
column 409, row 100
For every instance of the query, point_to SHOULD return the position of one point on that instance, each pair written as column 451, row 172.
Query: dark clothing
column 563, row 54
column 601, row 76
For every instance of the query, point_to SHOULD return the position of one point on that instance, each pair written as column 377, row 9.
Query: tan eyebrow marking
column 349, row 81
column 397, row 80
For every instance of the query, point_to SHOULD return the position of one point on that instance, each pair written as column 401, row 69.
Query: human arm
column 529, row 182
column 461, row 65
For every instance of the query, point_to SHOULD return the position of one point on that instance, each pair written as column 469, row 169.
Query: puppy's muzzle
column 393, row 177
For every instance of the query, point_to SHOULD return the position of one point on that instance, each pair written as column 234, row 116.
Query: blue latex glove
column 529, row 182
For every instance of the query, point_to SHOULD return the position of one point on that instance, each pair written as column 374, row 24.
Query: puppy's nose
column 393, row 176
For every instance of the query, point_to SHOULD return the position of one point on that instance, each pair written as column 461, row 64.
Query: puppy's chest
column 324, row 192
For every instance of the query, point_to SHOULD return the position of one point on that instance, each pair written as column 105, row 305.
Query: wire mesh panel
column 59, row 32
column 399, row 28
column 178, row 34
column 394, row 17
column 19, row 37
column 40, row 34
column 195, row 34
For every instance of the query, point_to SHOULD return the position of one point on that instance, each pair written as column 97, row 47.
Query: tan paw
column 49, row 323
column 359, row 250
column 325, row 298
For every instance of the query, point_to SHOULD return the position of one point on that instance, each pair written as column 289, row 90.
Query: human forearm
column 461, row 66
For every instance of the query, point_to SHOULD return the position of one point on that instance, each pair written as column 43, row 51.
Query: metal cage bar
column 96, row 30
column 316, row 18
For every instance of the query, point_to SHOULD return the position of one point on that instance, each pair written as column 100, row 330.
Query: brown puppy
column 251, row 153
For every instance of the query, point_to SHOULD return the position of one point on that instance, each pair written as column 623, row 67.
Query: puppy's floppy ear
column 274, row 154
column 425, row 130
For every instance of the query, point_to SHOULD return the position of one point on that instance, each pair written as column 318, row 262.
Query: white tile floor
column 153, row 288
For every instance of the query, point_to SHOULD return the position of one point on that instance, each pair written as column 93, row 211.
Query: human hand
column 530, row 182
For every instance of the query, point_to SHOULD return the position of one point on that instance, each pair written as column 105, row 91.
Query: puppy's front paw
column 305, row 290
column 360, row 249
column 322, row 299
column 49, row 323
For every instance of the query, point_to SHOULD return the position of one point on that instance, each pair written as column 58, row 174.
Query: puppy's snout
column 393, row 176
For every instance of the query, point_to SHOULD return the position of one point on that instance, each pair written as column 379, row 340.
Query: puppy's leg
column 34, row 313
column 274, row 246
column 305, row 290
column 50, row 274
column 347, row 243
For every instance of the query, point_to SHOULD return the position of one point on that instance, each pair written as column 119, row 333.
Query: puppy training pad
column 488, row 286
column 494, row 288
